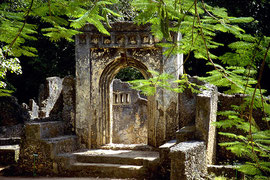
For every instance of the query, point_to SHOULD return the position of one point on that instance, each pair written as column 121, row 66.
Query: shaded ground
column 2, row 168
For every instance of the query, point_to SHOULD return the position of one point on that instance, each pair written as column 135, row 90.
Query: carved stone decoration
column 145, row 39
column 120, row 40
column 94, row 40
column 107, row 40
column 132, row 40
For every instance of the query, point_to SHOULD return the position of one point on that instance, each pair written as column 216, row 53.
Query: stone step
column 48, row 129
column 186, row 133
column 127, row 157
column 137, row 147
column 62, row 144
column 106, row 170
column 10, row 141
column 9, row 154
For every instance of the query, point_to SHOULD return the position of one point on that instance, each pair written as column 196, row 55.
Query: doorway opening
column 128, row 109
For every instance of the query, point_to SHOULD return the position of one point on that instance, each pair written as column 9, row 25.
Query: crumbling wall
column 129, row 115
column 56, row 101
column 199, row 110
column 49, row 100
column 68, row 94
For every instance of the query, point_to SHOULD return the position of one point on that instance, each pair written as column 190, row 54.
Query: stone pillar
column 68, row 113
column 206, row 109
column 83, row 73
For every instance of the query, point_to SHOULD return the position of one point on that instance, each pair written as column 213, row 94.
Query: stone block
column 188, row 161
column 68, row 92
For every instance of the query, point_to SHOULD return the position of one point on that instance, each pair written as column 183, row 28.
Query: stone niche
column 129, row 112
column 99, row 58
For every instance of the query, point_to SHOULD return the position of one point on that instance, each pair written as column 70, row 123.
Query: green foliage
column 236, row 71
column 129, row 74
column 166, row 81
column 62, row 19
column 7, row 64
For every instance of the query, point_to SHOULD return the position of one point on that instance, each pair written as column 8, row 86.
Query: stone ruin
column 95, row 126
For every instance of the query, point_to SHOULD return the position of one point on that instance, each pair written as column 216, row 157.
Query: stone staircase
column 53, row 135
column 60, row 152
column 110, row 163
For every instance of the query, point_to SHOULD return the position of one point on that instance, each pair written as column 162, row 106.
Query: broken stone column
column 206, row 111
column 49, row 97
column 34, row 109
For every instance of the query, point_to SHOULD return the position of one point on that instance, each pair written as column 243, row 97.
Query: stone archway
column 98, row 58
column 104, row 88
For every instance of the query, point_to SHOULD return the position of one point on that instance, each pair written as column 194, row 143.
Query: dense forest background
column 58, row 58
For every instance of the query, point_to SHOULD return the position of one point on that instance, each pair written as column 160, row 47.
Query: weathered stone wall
column 129, row 115
column 187, row 105
column 188, row 161
column 35, row 158
column 68, row 94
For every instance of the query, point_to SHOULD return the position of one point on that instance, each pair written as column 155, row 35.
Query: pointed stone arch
column 106, row 78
